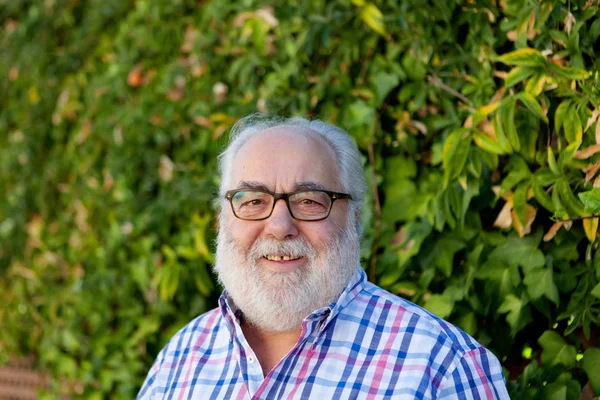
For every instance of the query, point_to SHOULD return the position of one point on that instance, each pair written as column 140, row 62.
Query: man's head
column 279, row 268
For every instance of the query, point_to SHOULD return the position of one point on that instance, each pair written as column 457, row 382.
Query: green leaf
column 596, row 291
column 572, row 204
column 507, row 116
column 536, row 84
column 372, row 16
column 442, row 254
column 540, row 194
column 519, row 171
column 487, row 143
column 559, row 209
column 556, row 351
column 416, row 231
column 500, row 135
column 567, row 154
column 532, row 104
column 569, row 72
column 520, row 251
column 456, row 150
column 555, row 391
column 591, row 200
column 560, row 114
column 360, row 114
column 439, row 305
column 524, row 57
column 518, row 311
column 572, row 125
column 590, row 363
column 384, row 83
column 518, row 74
column 520, row 200
column 540, row 282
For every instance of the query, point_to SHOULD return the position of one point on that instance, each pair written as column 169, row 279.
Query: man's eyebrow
column 252, row 185
column 307, row 186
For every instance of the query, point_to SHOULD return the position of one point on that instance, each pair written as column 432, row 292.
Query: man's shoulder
column 195, row 333
column 388, row 309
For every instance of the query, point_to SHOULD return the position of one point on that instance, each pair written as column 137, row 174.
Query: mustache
column 297, row 247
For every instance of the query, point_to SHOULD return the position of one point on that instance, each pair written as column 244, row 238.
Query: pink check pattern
column 369, row 344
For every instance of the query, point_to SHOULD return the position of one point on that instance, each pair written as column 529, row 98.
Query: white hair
column 348, row 159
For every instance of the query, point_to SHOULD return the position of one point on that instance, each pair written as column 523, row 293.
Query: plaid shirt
column 369, row 344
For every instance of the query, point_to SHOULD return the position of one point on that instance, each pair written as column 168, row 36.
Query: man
column 298, row 319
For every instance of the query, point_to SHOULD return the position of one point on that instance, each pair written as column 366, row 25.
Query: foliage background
column 478, row 121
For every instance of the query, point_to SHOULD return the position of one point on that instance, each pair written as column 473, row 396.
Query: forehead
column 282, row 157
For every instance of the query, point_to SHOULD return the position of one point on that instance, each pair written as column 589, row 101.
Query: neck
column 268, row 346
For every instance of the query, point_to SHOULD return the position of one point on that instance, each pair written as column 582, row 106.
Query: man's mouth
column 281, row 258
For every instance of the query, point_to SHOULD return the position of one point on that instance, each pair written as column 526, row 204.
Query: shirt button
column 251, row 359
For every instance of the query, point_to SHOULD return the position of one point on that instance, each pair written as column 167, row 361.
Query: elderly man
column 298, row 318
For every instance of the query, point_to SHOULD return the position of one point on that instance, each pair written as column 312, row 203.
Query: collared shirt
column 369, row 344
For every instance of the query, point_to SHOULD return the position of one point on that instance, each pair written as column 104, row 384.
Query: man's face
column 280, row 160
column 250, row 254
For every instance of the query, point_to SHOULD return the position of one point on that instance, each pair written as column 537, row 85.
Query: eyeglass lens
column 307, row 205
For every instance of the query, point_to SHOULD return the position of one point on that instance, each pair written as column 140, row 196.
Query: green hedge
column 479, row 126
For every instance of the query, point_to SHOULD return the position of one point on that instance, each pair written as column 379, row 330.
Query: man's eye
column 252, row 203
column 307, row 201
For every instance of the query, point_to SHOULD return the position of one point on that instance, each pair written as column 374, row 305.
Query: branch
column 434, row 80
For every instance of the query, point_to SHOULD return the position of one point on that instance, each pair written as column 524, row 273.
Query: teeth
column 280, row 258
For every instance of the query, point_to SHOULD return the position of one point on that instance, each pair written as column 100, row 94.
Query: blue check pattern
column 369, row 344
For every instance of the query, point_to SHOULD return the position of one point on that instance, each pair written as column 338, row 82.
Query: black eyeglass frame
column 286, row 196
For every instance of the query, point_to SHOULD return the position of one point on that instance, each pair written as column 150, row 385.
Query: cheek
column 244, row 233
column 319, row 235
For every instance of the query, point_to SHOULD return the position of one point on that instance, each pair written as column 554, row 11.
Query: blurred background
column 478, row 122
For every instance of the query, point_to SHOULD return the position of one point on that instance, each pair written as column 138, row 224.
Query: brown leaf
column 135, row 77
column 13, row 74
column 175, row 94
column 504, row 219
column 468, row 122
column 530, row 213
column 191, row 33
column 166, row 168
column 587, row 152
column 220, row 91
column 501, row 74
column 552, row 231
column 498, row 95
column 568, row 224
column 592, row 119
column 203, row 121
column 569, row 21
column 591, row 171
column 219, row 130
column 399, row 238
column 108, row 180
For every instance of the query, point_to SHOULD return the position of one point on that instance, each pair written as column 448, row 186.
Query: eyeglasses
column 308, row 205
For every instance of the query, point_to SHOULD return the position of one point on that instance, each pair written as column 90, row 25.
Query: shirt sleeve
column 148, row 389
column 478, row 375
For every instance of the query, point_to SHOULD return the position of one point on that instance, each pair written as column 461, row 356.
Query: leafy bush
column 479, row 124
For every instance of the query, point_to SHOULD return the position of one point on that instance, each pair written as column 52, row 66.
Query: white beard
column 278, row 302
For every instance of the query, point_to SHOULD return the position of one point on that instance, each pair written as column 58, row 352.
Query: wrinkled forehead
column 284, row 156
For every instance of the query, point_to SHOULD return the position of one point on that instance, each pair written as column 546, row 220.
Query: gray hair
column 352, row 177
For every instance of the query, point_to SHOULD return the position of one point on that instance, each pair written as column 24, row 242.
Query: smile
column 281, row 258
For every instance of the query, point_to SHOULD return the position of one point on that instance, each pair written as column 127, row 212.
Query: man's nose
column 281, row 225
